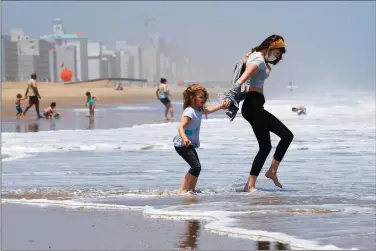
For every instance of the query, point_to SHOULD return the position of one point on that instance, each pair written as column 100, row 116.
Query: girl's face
column 199, row 100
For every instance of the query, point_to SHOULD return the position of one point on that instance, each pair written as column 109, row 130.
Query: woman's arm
column 248, row 73
column 27, row 91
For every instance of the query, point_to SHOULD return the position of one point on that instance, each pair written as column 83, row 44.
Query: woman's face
column 275, row 52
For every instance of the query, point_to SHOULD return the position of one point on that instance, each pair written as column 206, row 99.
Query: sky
column 328, row 43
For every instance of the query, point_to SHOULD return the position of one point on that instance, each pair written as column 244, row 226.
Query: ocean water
column 328, row 173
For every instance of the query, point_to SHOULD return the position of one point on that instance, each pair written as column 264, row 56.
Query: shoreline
column 73, row 96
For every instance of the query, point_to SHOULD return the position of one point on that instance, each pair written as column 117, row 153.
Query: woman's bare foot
column 273, row 176
column 248, row 188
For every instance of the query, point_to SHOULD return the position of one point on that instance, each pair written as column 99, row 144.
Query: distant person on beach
column 32, row 90
column 90, row 101
column 162, row 94
column 18, row 105
column 252, row 71
column 301, row 110
column 49, row 111
column 194, row 97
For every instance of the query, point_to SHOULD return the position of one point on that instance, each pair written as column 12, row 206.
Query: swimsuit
column 19, row 109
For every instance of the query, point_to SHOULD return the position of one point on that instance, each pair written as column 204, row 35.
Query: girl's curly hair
column 191, row 92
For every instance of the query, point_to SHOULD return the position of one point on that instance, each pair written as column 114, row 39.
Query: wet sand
column 55, row 228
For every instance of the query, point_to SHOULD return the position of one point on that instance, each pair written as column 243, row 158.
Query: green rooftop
column 62, row 36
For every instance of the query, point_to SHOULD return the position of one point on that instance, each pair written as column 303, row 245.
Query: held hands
column 225, row 104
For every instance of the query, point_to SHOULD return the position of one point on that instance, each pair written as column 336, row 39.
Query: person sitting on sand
column 49, row 111
column 300, row 110
column 18, row 105
column 162, row 94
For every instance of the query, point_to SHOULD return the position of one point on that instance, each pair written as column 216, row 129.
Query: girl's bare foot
column 166, row 119
column 181, row 190
column 273, row 176
column 172, row 118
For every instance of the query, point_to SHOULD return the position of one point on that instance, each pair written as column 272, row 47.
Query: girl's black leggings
column 263, row 123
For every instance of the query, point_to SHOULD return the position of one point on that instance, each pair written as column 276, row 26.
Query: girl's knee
column 195, row 170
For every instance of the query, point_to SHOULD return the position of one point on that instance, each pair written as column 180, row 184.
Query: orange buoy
column 66, row 75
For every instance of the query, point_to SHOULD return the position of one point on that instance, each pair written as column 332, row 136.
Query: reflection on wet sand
column 189, row 200
column 32, row 127
column 267, row 245
column 18, row 128
column 91, row 123
column 191, row 236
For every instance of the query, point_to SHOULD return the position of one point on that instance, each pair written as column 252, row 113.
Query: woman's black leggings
column 263, row 123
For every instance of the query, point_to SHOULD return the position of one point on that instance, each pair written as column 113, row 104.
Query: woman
column 257, row 69
column 162, row 95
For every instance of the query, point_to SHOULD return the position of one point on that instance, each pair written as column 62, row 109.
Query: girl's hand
column 187, row 142
column 225, row 104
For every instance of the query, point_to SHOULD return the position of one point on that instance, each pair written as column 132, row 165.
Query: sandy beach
column 68, row 96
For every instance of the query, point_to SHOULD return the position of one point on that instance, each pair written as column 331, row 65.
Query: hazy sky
column 327, row 42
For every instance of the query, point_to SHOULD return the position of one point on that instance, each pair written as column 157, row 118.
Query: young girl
column 91, row 101
column 195, row 97
column 49, row 111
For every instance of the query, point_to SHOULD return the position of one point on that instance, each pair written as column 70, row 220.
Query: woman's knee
column 265, row 149
column 288, row 136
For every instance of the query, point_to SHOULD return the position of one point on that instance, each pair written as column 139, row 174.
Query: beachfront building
column 66, row 57
column 80, row 46
column 94, row 50
column 124, row 64
column 33, row 56
column 150, row 68
column 9, row 59
column 109, row 67
column 72, row 41
column 135, row 51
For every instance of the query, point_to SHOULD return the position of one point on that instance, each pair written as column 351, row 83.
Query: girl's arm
column 183, row 123
column 214, row 108
column 95, row 98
